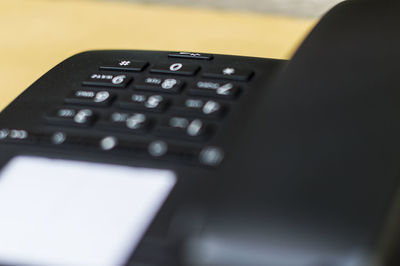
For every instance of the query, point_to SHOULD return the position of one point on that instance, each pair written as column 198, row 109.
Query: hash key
column 125, row 65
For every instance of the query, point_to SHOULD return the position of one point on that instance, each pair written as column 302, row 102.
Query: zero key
column 176, row 69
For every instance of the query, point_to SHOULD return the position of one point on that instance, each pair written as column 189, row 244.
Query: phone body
column 277, row 162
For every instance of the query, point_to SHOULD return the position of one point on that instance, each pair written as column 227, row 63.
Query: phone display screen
column 61, row 212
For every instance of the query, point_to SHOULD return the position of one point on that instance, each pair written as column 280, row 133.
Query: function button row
column 88, row 97
column 180, row 127
column 215, row 89
column 208, row 156
column 125, row 65
column 137, row 101
column 72, row 116
column 201, row 108
column 191, row 55
column 167, row 85
column 175, row 69
column 107, row 80
column 231, row 73
column 132, row 122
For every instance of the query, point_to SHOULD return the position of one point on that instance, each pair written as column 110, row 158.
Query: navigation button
column 191, row 55
column 211, row 156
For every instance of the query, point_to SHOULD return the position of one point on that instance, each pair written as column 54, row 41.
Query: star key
column 228, row 72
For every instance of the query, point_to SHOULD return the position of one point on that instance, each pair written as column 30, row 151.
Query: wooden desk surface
column 36, row 35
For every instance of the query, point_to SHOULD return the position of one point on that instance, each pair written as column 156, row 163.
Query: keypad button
column 215, row 89
column 107, row 80
column 108, row 143
column 200, row 108
column 165, row 150
column 133, row 122
column 16, row 136
column 125, row 65
column 176, row 69
column 190, row 55
column 158, row 148
column 137, row 101
column 180, row 127
column 166, row 85
column 231, row 73
column 58, row 138
column 66, row 140
column 88, row 97
column 71, row 116
column 211, row 156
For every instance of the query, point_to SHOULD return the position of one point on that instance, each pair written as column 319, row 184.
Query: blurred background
column 303, row 8
column 38, row 34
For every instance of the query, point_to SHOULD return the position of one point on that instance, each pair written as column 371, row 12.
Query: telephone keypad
column 157, row 114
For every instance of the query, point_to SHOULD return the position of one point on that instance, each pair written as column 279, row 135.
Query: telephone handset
column 276, row 162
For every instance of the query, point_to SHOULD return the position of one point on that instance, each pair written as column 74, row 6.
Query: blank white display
column 61, row 212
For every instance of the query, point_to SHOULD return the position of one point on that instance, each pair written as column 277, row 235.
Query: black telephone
column 277, row 162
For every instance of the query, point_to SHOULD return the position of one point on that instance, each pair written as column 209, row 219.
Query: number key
column 167, row 85
column 176, row 69
column 137, row 101
column 215, row 89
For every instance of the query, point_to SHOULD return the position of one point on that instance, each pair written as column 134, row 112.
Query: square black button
column 125, row 65
column 176, row 69
column 231, row 73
